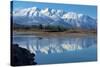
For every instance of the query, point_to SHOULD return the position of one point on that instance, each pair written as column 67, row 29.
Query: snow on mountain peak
column 34, row 8
column 54, row 16
column 80, row 15
column 25, row 11
column 70, row 15
column 53, row 11
column 45, row 11
column 60, row 12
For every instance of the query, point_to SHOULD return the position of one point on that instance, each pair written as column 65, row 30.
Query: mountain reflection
column 48, row 45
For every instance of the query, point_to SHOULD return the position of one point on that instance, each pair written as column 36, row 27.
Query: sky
column 84, row 9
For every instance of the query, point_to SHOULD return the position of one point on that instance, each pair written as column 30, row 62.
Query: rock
column 21, row 56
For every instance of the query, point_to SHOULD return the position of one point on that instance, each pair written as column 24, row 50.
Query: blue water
column 65, row 49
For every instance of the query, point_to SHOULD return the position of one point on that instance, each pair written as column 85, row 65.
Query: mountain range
column 53, row 17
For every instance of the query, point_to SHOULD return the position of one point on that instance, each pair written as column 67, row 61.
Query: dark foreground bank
column 21, row 56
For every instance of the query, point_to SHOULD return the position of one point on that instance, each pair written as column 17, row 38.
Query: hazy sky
column 85, row 9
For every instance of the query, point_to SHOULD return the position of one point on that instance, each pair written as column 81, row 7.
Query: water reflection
column 48, row 45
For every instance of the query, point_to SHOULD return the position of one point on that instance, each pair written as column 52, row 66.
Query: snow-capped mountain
column 34, row 15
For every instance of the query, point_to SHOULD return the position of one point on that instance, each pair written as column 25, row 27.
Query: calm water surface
column 62, row 49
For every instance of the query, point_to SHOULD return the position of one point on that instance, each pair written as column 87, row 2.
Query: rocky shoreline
column 21, row 56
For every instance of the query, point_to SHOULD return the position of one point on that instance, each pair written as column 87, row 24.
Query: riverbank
column 56, row 34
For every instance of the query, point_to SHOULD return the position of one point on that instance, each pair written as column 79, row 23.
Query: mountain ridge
column 46, row 16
